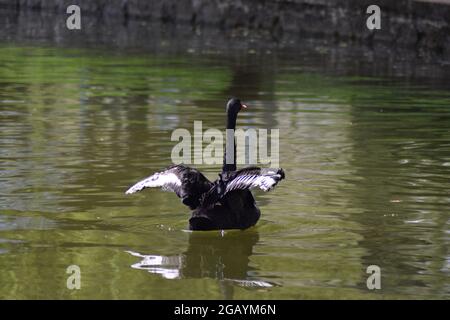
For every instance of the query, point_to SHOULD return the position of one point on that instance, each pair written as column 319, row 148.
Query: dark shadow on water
column 224, row 256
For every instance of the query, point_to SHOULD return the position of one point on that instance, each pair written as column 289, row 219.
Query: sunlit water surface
column 367, row 160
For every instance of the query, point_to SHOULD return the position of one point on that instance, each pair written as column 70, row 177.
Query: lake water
column 365, row 146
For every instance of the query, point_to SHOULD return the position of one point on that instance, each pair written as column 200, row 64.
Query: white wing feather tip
column 266, row 180
column 159, row 179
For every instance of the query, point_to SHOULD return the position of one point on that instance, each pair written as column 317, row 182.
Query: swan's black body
column 226, row 203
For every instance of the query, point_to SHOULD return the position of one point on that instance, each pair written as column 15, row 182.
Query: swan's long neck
column 229, row 157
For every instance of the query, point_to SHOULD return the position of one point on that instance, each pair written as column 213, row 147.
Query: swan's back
column 237, row 210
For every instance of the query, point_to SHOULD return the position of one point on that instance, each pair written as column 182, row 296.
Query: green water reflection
column 367, row 160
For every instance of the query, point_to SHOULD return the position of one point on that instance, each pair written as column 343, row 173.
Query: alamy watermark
column 74, row 280
column 374, row 280
column 374, row 20
column 73, row 22
column 252, row 146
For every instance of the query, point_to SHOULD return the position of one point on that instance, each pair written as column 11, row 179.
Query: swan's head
column 234, row 105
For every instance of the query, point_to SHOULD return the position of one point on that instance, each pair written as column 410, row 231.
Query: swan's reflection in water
column 167, row 267
column 218, row 255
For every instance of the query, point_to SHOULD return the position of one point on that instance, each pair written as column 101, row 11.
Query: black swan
column 226, row 203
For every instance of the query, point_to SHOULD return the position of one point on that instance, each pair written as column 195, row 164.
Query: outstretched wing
column 244, row 179
column 254, row 177
column 188, row 183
